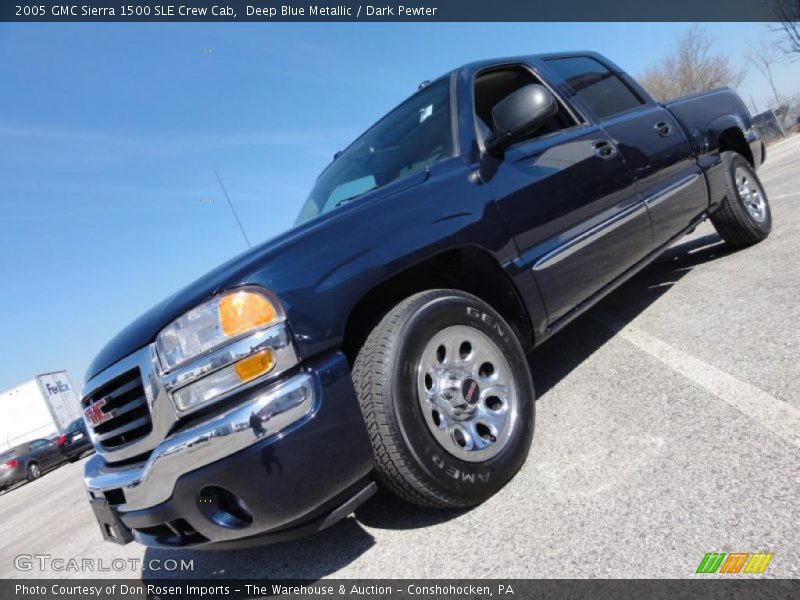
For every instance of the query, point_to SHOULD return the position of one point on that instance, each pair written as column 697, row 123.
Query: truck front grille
column 124, row 399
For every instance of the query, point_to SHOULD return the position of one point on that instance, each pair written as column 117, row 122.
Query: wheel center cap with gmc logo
column 470, row 390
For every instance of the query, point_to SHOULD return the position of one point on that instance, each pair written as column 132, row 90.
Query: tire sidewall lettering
column 478, row 480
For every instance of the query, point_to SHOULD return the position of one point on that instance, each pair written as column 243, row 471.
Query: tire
column 742, row 220
column 33, row 471
column 422, row 459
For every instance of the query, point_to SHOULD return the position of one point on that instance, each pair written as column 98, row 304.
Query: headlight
column 215, row 323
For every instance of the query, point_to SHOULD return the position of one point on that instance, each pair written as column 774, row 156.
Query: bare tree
column 763, row 57
column 691, row 67
column 788, row 15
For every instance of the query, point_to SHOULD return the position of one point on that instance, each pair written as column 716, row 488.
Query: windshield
column 414, row 135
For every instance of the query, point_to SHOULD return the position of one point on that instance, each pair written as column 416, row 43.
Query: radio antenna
column 233, row 210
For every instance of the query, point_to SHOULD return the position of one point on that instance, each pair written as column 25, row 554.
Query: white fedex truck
column 41, row 407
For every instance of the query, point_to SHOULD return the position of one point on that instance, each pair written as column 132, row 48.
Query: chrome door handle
column 663, row 128
column 604, row 149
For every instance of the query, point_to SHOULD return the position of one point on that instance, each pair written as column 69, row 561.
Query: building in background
column 39, row 408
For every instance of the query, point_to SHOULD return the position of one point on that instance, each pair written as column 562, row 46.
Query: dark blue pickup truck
column 383, row 339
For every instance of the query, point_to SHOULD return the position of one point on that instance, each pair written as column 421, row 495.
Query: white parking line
column 779, row 417
column 784, row 196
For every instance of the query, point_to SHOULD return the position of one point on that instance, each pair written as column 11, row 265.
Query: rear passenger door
column 649, row 138
column 567, row 195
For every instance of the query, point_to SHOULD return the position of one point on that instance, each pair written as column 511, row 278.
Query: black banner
column 393, row 10
column 400, row 589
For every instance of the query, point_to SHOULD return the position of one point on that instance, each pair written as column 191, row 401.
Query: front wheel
column 744, row 217
column 447, row 395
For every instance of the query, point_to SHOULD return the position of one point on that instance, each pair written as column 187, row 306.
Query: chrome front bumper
column 159, row 385
column 266, row 413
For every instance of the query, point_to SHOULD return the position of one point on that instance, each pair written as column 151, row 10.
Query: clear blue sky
column 110, row 135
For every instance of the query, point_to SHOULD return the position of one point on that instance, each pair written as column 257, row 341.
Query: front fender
column 320, row 279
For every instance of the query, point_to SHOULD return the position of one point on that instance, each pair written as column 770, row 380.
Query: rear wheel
column 447, row 395
column 744, row 217
column 34, row 472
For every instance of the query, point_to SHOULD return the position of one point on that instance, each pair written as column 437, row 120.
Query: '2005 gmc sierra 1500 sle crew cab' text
column 383, row 339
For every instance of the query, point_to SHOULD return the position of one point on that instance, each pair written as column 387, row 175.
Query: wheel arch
column 732, row 140
column 467, row 268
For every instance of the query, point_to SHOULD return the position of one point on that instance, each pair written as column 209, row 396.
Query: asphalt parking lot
column 668, row 426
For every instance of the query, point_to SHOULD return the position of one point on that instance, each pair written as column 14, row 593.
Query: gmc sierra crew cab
column 383, row 339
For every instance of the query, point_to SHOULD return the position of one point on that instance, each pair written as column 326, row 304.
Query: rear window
column 603, row 92
column 6, row 456
column 75, row 425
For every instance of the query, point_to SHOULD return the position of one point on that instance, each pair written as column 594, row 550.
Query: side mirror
column 520, row 113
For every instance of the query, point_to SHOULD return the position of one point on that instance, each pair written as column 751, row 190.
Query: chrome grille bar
column 118, row 431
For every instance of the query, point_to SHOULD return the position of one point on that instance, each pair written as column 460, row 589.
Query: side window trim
column 579, row 120
column 628, row 111
column 545, row 141
column 454, row 113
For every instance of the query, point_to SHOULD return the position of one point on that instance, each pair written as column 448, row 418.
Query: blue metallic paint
column 513, row 208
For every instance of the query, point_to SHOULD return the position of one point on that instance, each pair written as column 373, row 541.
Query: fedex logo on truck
column 58, row 388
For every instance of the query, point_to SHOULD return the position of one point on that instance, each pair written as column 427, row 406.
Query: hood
column 269, row 264
column 230, row 274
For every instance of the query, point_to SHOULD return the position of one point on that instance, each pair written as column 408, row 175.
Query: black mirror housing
column 520, row 113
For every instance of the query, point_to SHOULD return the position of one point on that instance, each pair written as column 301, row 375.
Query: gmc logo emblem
column 470, row 391
column 94, row 415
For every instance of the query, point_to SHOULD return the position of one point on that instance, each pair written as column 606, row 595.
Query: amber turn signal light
column 243, row 311
column 255, row 365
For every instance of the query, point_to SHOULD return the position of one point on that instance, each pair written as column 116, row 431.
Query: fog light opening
column 224, row 508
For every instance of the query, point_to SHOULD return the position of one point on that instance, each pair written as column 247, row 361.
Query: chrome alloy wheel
column 35, row 471
column 467, row 393
column 751, row 195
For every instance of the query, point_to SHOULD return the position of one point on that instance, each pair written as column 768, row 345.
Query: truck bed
column 709, row 113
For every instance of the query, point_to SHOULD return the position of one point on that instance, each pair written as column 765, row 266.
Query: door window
column 603, row 92
column 493, row 86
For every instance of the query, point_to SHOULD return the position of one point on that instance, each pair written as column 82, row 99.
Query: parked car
column 28, row 461
column 75, row 441
column 384, row 337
